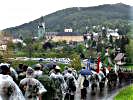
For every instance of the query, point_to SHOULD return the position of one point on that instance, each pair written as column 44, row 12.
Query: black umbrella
column 50, row 65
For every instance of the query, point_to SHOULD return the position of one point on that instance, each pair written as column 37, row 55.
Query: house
column 50, row 35
column 68, row 35
column 120, row 59
column 4, row 40
column 15, row 41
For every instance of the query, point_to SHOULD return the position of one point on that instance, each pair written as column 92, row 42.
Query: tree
column 129, row 51
column 37, row 46
column 80, row 48
column 19, row 45
column 76, row 63
column 47, row 45
column 8, row 53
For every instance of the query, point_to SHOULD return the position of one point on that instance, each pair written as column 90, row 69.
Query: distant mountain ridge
column 77, row 18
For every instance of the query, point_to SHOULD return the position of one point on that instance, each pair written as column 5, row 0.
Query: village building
column 3, row 42
column 68, row 35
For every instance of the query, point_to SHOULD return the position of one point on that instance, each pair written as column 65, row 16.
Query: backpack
column 57, row 82
column 71, row 84
column 86, row 83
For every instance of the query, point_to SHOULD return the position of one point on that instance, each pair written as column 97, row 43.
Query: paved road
column 105, row 95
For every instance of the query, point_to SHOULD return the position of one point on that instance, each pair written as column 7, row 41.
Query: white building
column 68, row 30
column 18, row 41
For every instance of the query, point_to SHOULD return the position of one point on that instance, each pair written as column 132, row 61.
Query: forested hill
column 77, row 18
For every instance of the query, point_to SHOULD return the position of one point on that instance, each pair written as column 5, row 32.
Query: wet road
column 105, row 95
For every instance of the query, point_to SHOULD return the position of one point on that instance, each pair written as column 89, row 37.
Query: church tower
column 41, row 28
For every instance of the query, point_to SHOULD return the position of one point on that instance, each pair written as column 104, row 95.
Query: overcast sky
column 17, row 12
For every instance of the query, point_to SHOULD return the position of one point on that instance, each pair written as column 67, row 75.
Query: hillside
column 77, row 18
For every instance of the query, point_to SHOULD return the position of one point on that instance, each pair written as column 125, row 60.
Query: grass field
column 125, row 94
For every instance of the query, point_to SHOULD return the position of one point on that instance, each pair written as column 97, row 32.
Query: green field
column 125, row 94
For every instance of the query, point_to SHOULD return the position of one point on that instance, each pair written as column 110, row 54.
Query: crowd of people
column 22, row 83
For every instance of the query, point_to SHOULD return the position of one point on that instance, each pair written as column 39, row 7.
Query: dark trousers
column 69, row 97
column 83, row 93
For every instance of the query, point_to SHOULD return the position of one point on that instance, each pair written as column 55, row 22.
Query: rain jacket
column 31, row 88
column 9, row 89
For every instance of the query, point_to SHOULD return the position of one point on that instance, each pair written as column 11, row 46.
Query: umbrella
column 50, row 65
column 85, row 72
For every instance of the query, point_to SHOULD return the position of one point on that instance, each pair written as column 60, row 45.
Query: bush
column 76, row 63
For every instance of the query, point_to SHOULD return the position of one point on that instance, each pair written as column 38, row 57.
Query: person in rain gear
column 59, row 82
column 83, row 82
column 74, row 72
column 52, row 70
column 94, row 79
column 31, row 87
column 112, row 79
column 49, row 85
column 19, row 69
column 71, row 85
column 69, row 74
column 102, row 79
column 65, row 70
column 14, row 74
column 38, row 71
column 85, row 86
column 8, row 88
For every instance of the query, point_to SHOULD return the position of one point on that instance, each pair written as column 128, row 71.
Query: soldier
column 59, row 82
column 38, row 72
column 31, row 87
column 8, row 88
column 71, row 85
column 65, row 70
column 19, row 69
